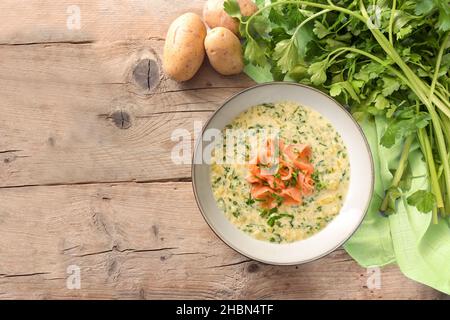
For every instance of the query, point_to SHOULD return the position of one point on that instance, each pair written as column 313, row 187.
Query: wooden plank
column 52, row 21
column 63, row 106
column 126, row 247
column 90, row 104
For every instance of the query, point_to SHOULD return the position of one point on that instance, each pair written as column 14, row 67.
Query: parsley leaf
column 423, row 200
column 290, row 52
column 232, row 8
column 286, row 54
column 381, row 102
column 250, row 201
column 444, row 15
column 389, row 86
column 254, row 53
column 318, row 73
column 320, row 30
column 260, row 28
column 369, row 71
column 402, row 128
column 424, row 6
column 267, row 212
column 271, row 221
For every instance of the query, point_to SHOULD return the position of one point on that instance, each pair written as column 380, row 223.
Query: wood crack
column 194, row 103
column 343, row 260
column 167, row 180
column 200, row 88
column 156, row 38
column 116, row 249
column 70, row 248
column 231, row 264
column 23, row 275
column 112, row 182
column 188, row 253
column 10, row 151
column 149, row 70
column 87, row 41
column 47, row 43
column 173, row 112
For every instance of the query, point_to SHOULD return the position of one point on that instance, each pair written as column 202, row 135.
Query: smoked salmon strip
column 282, row 176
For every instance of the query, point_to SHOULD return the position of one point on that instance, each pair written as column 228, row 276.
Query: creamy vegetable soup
column 287, row 173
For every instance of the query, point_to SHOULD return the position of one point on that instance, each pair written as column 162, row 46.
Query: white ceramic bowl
column 355, row 205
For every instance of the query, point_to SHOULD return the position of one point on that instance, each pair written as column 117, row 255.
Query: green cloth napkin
column 420, row 248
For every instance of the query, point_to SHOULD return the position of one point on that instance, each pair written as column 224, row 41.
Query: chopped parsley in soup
column 292, row 183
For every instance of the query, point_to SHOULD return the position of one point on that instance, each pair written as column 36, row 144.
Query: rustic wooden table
column 87, row 185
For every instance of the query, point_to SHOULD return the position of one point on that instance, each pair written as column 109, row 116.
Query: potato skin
column 224, row 51
column 184, row 49
column 247, row 7
column 215, row 16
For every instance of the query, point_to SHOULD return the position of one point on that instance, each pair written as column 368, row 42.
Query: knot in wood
column 146, row 74
column 121, row 119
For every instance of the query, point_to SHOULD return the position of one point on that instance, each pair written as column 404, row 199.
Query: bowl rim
column 197, row 200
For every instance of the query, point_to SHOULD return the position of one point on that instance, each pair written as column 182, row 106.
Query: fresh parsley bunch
column 380, row 58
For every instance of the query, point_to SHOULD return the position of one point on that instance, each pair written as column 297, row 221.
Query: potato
column 224, row 51
column 184, row 49
column 247, row 7
column 215, row 16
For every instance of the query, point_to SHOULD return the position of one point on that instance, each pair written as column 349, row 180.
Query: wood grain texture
column 128, row 247
column 86, row 177
column 37, row 21
column 62, row 106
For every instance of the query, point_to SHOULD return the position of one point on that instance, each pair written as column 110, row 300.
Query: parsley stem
column 444, row 99
column 435, row 215
column 438, row 64
column 308, row 20
column 446, row 207
column 431, row 167
column 391, row 21
column 399, row 172
column 374, row 58
column 446, row 127
column 445, row 211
